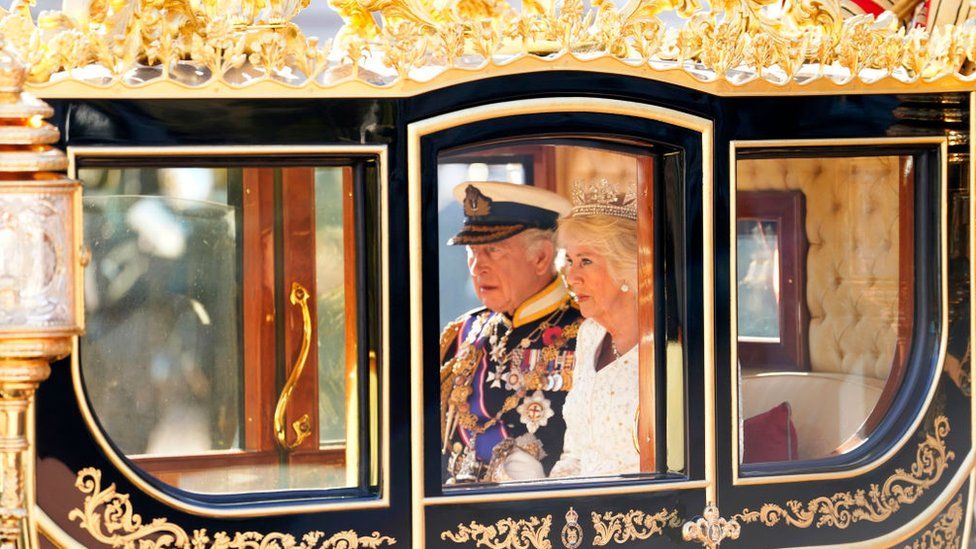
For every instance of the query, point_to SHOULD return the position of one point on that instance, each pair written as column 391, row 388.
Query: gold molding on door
column 572, row 533
column 710, row 529
column 632, row 525
column 843, row 509
column 111, row 519
column 944, row 532
column 416, row 131
column 530, row 533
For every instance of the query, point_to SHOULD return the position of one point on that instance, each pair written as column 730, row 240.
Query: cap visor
column 484, row 234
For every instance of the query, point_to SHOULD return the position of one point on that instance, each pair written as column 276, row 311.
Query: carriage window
column 223, row 352
column 547, row 306
column 824, row 282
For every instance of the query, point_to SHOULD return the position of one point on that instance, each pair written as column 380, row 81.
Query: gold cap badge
column 476, row 204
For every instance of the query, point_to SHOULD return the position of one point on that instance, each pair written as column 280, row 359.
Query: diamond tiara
column 602, row 198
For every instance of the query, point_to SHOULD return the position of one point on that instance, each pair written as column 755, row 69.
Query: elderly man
column 506, row 367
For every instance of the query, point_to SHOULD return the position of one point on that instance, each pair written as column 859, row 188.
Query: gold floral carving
column 874, row 505
column 239, row 43
column 531, row 533
column 944, row 532
column 632, row 525
column 110, row 518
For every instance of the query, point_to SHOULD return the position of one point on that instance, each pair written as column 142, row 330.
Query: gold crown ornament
column 603, row 198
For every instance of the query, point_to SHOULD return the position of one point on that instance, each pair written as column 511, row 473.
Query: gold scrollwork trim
column 944, row 532
column 530, row 533
column 110, row 518
column 195, row 43
column 632, row 525
column 874, row 505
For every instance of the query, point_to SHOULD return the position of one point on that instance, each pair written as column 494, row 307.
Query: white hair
column 534, row 239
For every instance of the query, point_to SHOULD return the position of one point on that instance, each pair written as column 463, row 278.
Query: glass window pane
column 527, row 368
column 332, row 302
column 162, row 340
column 830, row 259
column 190, row 323
column 457, row 293
column 757, row 262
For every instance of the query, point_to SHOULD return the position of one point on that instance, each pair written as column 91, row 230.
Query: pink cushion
column 770, row 436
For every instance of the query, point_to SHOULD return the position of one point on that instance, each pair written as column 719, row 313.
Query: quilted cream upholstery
column 574, row 164
column 852, row 226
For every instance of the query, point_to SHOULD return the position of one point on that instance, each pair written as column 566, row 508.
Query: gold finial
column 40, row 309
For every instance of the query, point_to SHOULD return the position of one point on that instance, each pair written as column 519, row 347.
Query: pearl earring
column 624, row 288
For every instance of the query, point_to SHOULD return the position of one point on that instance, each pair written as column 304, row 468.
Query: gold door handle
column 302, row 426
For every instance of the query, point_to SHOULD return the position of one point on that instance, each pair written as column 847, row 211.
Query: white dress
column 600, row 412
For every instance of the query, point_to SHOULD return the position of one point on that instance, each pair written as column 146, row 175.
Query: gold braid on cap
column 602, row 198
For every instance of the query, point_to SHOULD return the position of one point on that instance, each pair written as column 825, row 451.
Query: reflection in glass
column 331, row 303
column 854, row 312
column 162, row 335
column 35, row 278
column 757, row 260
column 182, row 355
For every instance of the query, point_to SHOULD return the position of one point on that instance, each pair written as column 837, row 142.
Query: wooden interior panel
column 350, row 261
column 259, row 309
column 646, row 419
column 298, row 265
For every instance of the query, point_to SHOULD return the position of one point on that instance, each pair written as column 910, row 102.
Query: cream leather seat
column 827, row 408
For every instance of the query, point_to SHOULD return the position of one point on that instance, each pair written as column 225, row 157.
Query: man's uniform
column 503, row 384
column 504, row 378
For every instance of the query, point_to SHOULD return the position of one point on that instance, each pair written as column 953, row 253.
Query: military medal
column 495, row 377
column 514, row 379
column 510, row 371
column 535, row 411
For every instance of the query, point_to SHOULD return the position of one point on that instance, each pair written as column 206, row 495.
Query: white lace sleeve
column 569, row 463
column 575, row 408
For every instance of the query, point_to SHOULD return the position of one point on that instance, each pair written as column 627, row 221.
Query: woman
column 600, row 243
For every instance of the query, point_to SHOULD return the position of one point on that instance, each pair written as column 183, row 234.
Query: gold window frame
column 382, row 415
column 734, row 146
column 415, row 132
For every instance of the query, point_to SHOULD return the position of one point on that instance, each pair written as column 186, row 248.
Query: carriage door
column 849, row 410
column 232, row 378
column 559, row 144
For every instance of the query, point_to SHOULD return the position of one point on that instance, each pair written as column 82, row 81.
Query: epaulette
column 473, row 312
column 448, row 336
column 450, row 332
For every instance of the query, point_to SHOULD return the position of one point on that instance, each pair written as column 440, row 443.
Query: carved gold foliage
column 874, row 505
column 944, row 532
column 241, row 42
column 531, row 533
column 631, row 526
column 109, row 517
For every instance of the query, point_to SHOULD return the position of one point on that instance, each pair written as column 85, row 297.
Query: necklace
column 499, row 345
column 613, row 347
column 463, row 382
